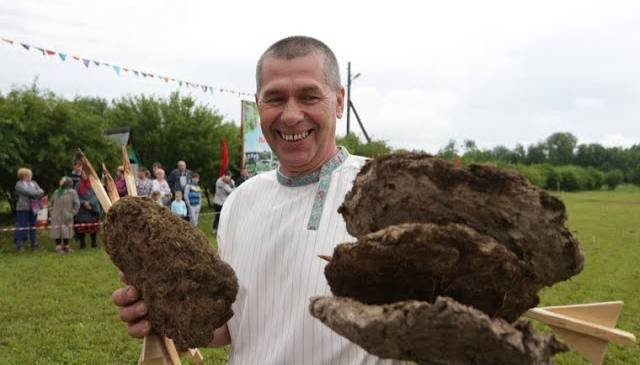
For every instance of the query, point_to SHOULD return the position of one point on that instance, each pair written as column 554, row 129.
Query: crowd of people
column 74, row 211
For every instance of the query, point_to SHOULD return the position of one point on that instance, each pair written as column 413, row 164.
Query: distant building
column 124, row 136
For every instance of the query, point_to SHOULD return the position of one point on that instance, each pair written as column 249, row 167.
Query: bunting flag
column 117, row 69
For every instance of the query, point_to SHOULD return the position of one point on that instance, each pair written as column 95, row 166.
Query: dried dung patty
column 498, row 203
column 424, row 261
column 187, row 288
column 443, row 333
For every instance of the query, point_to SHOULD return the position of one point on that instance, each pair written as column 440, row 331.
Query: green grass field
column 56, row 309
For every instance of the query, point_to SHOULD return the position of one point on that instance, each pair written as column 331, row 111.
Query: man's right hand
column 132, row 310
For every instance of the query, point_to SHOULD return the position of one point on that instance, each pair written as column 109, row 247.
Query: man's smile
column 295, row 136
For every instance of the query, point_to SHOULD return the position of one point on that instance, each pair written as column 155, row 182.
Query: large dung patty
column 187, row 288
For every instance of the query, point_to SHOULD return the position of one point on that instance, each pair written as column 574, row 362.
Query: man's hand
column 132, row 310
column 87, row 205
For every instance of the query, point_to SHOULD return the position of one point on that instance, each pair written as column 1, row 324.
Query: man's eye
column 273, row 100
column 309, row 98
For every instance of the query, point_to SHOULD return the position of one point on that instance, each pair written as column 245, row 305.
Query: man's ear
column 340, row 102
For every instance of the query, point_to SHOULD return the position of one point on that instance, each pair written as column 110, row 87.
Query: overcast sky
column 497, row 72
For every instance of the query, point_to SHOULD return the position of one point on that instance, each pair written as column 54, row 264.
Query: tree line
column 559, row 162
column 41, row 130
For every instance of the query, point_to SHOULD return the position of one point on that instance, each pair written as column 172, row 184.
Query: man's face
column 298, row 112
column 182, row 166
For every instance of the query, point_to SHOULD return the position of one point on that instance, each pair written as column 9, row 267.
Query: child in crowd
column 193, row 194
column 178, row 207
column 156, row 196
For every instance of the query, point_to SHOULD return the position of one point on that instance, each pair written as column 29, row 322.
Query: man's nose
column 292, row 113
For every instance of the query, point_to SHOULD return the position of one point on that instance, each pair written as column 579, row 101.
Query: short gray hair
column 300, row 46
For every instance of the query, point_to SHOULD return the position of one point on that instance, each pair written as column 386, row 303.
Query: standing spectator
column 28, row 194
column 154, row 167
column 144, row 185
column 180, row 177
column 224, row 187
column 63, row 206
column 193, row 198
column 89, row 212
column 178, row 207
column 121, row 184
column 76, row 171
column 161, row 185
column 244, row 176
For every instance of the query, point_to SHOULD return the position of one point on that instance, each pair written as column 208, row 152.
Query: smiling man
column 273, row 226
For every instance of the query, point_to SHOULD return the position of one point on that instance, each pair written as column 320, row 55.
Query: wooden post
column 129, row 179
column 112, row 190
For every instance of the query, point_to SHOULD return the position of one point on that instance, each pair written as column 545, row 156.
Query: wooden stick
column 96, row 184
column 586, row 328
column 111, row 185
column 129, row 178
column 325, row 258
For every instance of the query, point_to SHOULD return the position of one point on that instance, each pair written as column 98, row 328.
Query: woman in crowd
column 161, row 185
column 63, row 206
column 224, row 187
column 144, row 185
column 89, row 212
column 28, row 194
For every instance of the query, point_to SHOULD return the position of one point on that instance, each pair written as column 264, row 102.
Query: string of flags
column 119, row 70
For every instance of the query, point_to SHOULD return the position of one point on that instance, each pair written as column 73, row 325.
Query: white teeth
column 295, row 137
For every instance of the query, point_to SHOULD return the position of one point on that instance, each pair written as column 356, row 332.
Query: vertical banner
column 257, row 156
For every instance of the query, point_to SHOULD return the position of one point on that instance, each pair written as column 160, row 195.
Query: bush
column 614, row 178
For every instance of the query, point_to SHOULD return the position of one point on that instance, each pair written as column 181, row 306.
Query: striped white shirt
column 263, row 235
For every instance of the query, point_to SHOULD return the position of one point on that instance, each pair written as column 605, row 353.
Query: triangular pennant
column 125, row 69
column 25, row 46
column 50, row 52
column 41, row 50
column 143, row 74
column 7, row 40
column 77, row 58
column 96, row 62
column 204, row 88
column 86, row 62
column 180, row 82
column 150, row 75
column 105, row 64
column 62, row 56
column 116, row 69
column 166, row 79
column 136, row 72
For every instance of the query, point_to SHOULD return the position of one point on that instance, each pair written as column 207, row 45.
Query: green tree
column 614, row 178
column 371, row 149
column 41, row 131
column 560, row 148
column 536, row 154
column 450, row 151
column 173, row 129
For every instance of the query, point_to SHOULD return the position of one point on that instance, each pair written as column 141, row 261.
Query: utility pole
column 350, row 105
column 348, row 96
